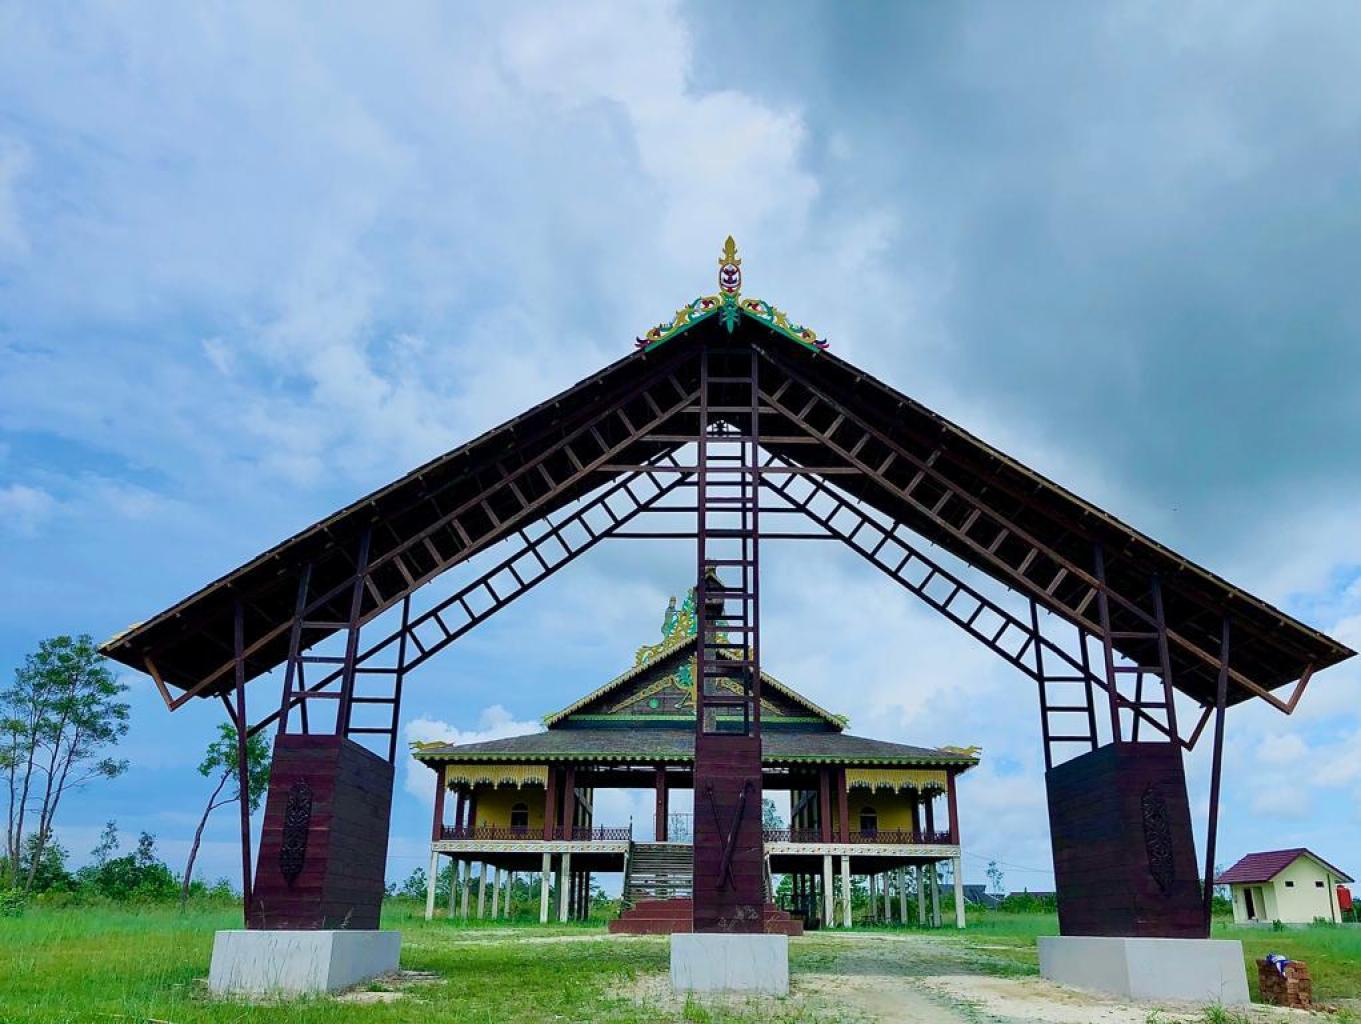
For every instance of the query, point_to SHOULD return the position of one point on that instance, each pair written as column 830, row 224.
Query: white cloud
column 1282, row 749
column 494, row 723
column 24, row 509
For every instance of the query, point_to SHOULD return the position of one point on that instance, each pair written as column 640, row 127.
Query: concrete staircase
column 658, row 871
column 658, row 886
column 667, row 917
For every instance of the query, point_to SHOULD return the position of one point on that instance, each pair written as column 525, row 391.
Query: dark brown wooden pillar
column 550, row 804
column 825, row 804
column 569, row 801
column 917, row 815
column 930, row 805
column 323, row 844
column 437, row 827
column 661, row 804
column 954, row 808
column 845, row 808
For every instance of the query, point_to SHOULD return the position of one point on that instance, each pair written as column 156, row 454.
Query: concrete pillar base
column 1193, row 970
column 719, row 962
column 299, row 962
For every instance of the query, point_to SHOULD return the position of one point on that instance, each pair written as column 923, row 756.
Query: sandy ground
column 917, row 980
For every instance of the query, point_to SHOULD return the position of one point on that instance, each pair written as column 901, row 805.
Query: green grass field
column 74, row 964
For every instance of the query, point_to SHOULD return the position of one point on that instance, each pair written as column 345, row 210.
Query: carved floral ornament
column 730, row 307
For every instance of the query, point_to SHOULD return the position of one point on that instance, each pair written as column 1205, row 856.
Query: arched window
column 869, row 820
column 519, row 817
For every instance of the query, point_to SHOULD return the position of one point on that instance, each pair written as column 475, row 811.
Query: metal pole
column 1212, row 829
column 242, row 765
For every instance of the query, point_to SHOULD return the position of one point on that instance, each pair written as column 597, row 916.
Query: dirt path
column 908, row 979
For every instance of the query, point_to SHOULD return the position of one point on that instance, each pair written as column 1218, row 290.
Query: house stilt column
column 454, row 865
column 934, row 871
column 902, row 895
column 846, row 890
column 482, row 891
column 543, row 889
column 430, row 885
column 956, row 866
column 564, row 886
column 496, row 895
column 467, row 884
column 921, row 894
column 888, row 906
column 661, row 818
column 828, row 890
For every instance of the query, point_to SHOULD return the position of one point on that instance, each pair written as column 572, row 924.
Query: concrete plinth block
column 299, row 962
column 1190, row 970
column 716, row 962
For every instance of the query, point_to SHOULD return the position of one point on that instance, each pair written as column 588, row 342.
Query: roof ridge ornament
column 730, row 307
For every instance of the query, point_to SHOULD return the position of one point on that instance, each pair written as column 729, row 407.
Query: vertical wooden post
column 242, row 763
column 935, row 894
column 902, row 896
column 482, row 890
column 569, row 801
column 921, row 896
column 844, row 808
column 953, row 806
column 661, row 805
column 460, row 810
column 888, row 905
column 437, row 826
column 550, row 803
column 916, row 816
column 1212, row 829
column 496, row 894
column 825, row 803
column 454, row 873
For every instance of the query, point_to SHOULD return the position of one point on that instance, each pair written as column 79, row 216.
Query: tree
column 770, row 814
column 414, row 886
column 995, row 877
column 220, row 762
column 139, row 875
column 57, row 721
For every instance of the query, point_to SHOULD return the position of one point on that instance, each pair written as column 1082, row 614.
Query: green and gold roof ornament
column 730, row 307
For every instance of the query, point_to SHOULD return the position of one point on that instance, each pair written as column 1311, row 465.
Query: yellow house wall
column 494, row 804
column 1304, row 901
column 894, row 808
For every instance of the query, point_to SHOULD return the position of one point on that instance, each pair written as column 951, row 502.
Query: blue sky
column 256, row 260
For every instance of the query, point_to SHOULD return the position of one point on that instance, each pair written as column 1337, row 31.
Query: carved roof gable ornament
column 730, row 307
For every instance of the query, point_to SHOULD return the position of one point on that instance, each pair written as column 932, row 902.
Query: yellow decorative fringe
column 496, row 775
column 896, row 778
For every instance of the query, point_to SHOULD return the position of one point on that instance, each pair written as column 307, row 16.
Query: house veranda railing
column 578, row 834
column 884, row 836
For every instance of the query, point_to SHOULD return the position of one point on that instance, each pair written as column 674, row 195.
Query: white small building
column 1291, row 886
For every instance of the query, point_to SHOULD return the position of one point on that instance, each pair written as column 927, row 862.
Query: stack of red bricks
column 1292, row 988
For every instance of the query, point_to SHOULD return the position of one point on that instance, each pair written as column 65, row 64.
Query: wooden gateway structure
column 731, row 427
column 856, row 805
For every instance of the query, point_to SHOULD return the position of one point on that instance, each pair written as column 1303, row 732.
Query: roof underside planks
column 190, row 643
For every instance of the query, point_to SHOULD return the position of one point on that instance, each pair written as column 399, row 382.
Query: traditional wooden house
column 856, row 806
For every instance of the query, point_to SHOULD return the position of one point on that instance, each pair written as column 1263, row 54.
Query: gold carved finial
column 730, row 269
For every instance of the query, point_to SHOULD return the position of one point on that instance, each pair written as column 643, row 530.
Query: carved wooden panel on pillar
column 1124, row 855
column 323, row 846
column 729, row 894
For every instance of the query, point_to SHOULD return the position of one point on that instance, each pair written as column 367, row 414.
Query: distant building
column 978, row 895
column 1293, row 886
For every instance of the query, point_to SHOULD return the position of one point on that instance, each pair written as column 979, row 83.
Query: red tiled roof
column 1263, row 867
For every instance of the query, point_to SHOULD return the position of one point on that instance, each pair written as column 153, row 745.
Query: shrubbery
column 139, row 877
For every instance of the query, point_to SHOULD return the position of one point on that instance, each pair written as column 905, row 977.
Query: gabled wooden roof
column 667, row 670
column 493, row 487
